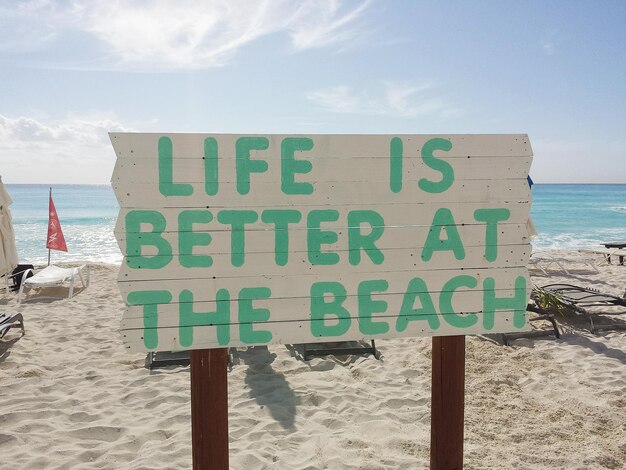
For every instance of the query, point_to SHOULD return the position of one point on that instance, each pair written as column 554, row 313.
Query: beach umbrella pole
column 209, row 408
column 447, row 403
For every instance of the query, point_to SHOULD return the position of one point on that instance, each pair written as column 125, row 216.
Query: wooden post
column 209, row 408
column 447, row 402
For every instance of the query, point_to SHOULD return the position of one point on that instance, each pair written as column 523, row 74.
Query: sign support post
column 209, row 408
column 447, row 403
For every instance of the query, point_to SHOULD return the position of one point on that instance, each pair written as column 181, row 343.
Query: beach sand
column 73, row 398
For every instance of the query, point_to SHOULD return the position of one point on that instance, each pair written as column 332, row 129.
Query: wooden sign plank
column 463, row 304
column 394, row 215
column 295, row 332
column 146, row 195
column 334, row 146
column 260, row 264
column 270, row 241
column 192, row 170
column 458, row 301
column 285, row 286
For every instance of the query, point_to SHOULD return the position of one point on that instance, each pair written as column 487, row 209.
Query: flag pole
column 50, row 197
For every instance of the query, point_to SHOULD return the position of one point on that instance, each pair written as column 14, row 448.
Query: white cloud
column 319, row 24
column 338, row 99
column 579, row 159
column 391, row 99
column 74, row 150
column 29, row 25
column 161, row 34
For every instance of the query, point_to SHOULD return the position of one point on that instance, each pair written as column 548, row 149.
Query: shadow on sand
column 268, row 387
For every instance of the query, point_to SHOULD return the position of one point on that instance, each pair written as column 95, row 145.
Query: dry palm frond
column 552, row 302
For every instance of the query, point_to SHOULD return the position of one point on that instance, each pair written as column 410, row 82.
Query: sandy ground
column 73, row 398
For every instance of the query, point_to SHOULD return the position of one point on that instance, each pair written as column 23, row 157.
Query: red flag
column 56, row 240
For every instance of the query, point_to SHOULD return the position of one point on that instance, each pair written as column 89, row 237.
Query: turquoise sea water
column 566, row 216
column 87, row 214
column 578, row 215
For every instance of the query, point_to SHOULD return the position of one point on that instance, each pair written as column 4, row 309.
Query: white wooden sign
column 240, row 240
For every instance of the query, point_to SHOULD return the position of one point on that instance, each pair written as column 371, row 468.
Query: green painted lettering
column 248, row 315
column 445, row 302
column 417, row 289
column 167, row 187
column 443, row 220
column 150, row 299
column 210, row 166
column 442, row 166
column 237, row 219
column 358, row 241
column 244, row 165
column 368, row 306
column 187, row 318
column 317, row 237
column 320, row 309
column 491, row 217
column 187, row 238
column 290, row 166
column 395, row 164
column 281, row 220
column 136, row 240
column 491, row 303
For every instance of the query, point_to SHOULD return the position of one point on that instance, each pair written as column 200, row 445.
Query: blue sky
column 72, row 71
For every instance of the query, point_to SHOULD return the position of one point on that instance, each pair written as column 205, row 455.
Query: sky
column 72, row 71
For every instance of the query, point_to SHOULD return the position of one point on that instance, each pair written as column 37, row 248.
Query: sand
column 73, row 398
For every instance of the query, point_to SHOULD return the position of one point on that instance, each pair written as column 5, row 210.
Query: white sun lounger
column 545, row 261
column 53, row 276
column 607, row 253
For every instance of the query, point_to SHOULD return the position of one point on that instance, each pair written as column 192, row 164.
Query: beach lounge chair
column 621, row 250
column 340, row 348
column 607, row 253
column 53, row 276
column 579, row 299
column 157, row 359
column 540, row 314
column 545, row 262
column 11, row 320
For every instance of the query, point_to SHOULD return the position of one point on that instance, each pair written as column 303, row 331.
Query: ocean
column 567, row 216
column 570, row 216
column 87, row 214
